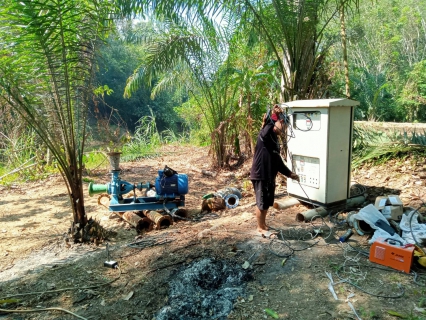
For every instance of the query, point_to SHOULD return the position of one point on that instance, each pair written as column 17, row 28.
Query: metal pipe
column 286, row 203
column 140, row 223
column 361, row 227
column 308, row 215
column 182, row 213
column 231, row 201
column 114, row 160
column 160, row 221
column 352, row 202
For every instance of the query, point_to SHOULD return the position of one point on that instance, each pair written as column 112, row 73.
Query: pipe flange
column 231, row 201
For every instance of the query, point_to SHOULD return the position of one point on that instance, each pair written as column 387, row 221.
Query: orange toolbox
column 392, row 253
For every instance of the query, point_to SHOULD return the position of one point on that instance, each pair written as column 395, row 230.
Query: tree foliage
column 118, row 58
column 386, row 43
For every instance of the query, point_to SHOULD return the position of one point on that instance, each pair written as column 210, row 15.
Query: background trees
column 386, row 44
column 208, row 68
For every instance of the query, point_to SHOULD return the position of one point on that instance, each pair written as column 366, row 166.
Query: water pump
column 170, row 189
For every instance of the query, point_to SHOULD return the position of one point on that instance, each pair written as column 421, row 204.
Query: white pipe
column 308, row 215
column 286, row 203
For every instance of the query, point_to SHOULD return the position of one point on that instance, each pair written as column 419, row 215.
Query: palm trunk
column 249, row 126
column 345, row 51
column 76, row 194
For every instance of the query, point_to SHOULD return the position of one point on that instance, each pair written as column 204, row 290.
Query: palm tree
column 192, row 57
column 46, row 71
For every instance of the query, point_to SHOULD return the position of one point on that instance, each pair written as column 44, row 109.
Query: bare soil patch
column 194, row 269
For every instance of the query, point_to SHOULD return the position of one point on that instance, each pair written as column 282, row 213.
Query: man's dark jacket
column 267, row 161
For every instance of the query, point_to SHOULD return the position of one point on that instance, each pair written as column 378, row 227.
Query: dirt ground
column 40, row 270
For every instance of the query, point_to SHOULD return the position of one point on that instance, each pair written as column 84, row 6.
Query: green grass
column 146, row 141
column 9, row 179
column 95, row 160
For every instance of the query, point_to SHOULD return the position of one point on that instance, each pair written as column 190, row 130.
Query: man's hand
column 295, row 177
column 265, row 116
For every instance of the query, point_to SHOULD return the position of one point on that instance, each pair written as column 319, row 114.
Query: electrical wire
column 321, row 228
column 281, row 246
column 308, row 118
column 411, row 228
column 353, row 284
column 416, row 275
column 289, row 125
column 361, row 190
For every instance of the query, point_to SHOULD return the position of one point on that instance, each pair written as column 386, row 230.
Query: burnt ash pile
column 207, row 289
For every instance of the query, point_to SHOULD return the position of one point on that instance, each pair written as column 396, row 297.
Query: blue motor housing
column 172, row 186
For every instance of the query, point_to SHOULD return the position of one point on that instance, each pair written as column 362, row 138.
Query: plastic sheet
column 372, row 216
column 410, row 226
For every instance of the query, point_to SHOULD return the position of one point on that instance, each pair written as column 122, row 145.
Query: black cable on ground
column 365, row 253
column 361, row 187
column 283, row 245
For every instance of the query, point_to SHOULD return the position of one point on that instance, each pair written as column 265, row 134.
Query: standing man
column 267, row 162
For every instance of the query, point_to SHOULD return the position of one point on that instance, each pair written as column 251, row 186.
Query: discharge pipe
column 231, row 196
column 321, row 211
column 97, row 188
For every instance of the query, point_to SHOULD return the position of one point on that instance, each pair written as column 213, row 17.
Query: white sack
column 419, row 230
column 371, row 215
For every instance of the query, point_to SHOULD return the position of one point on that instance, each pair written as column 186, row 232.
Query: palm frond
column 370, row 144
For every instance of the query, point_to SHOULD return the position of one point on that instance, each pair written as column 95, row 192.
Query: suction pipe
column 160, row 221
column 140, row 223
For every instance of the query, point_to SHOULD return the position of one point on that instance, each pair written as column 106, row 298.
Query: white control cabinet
column 320, row 150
